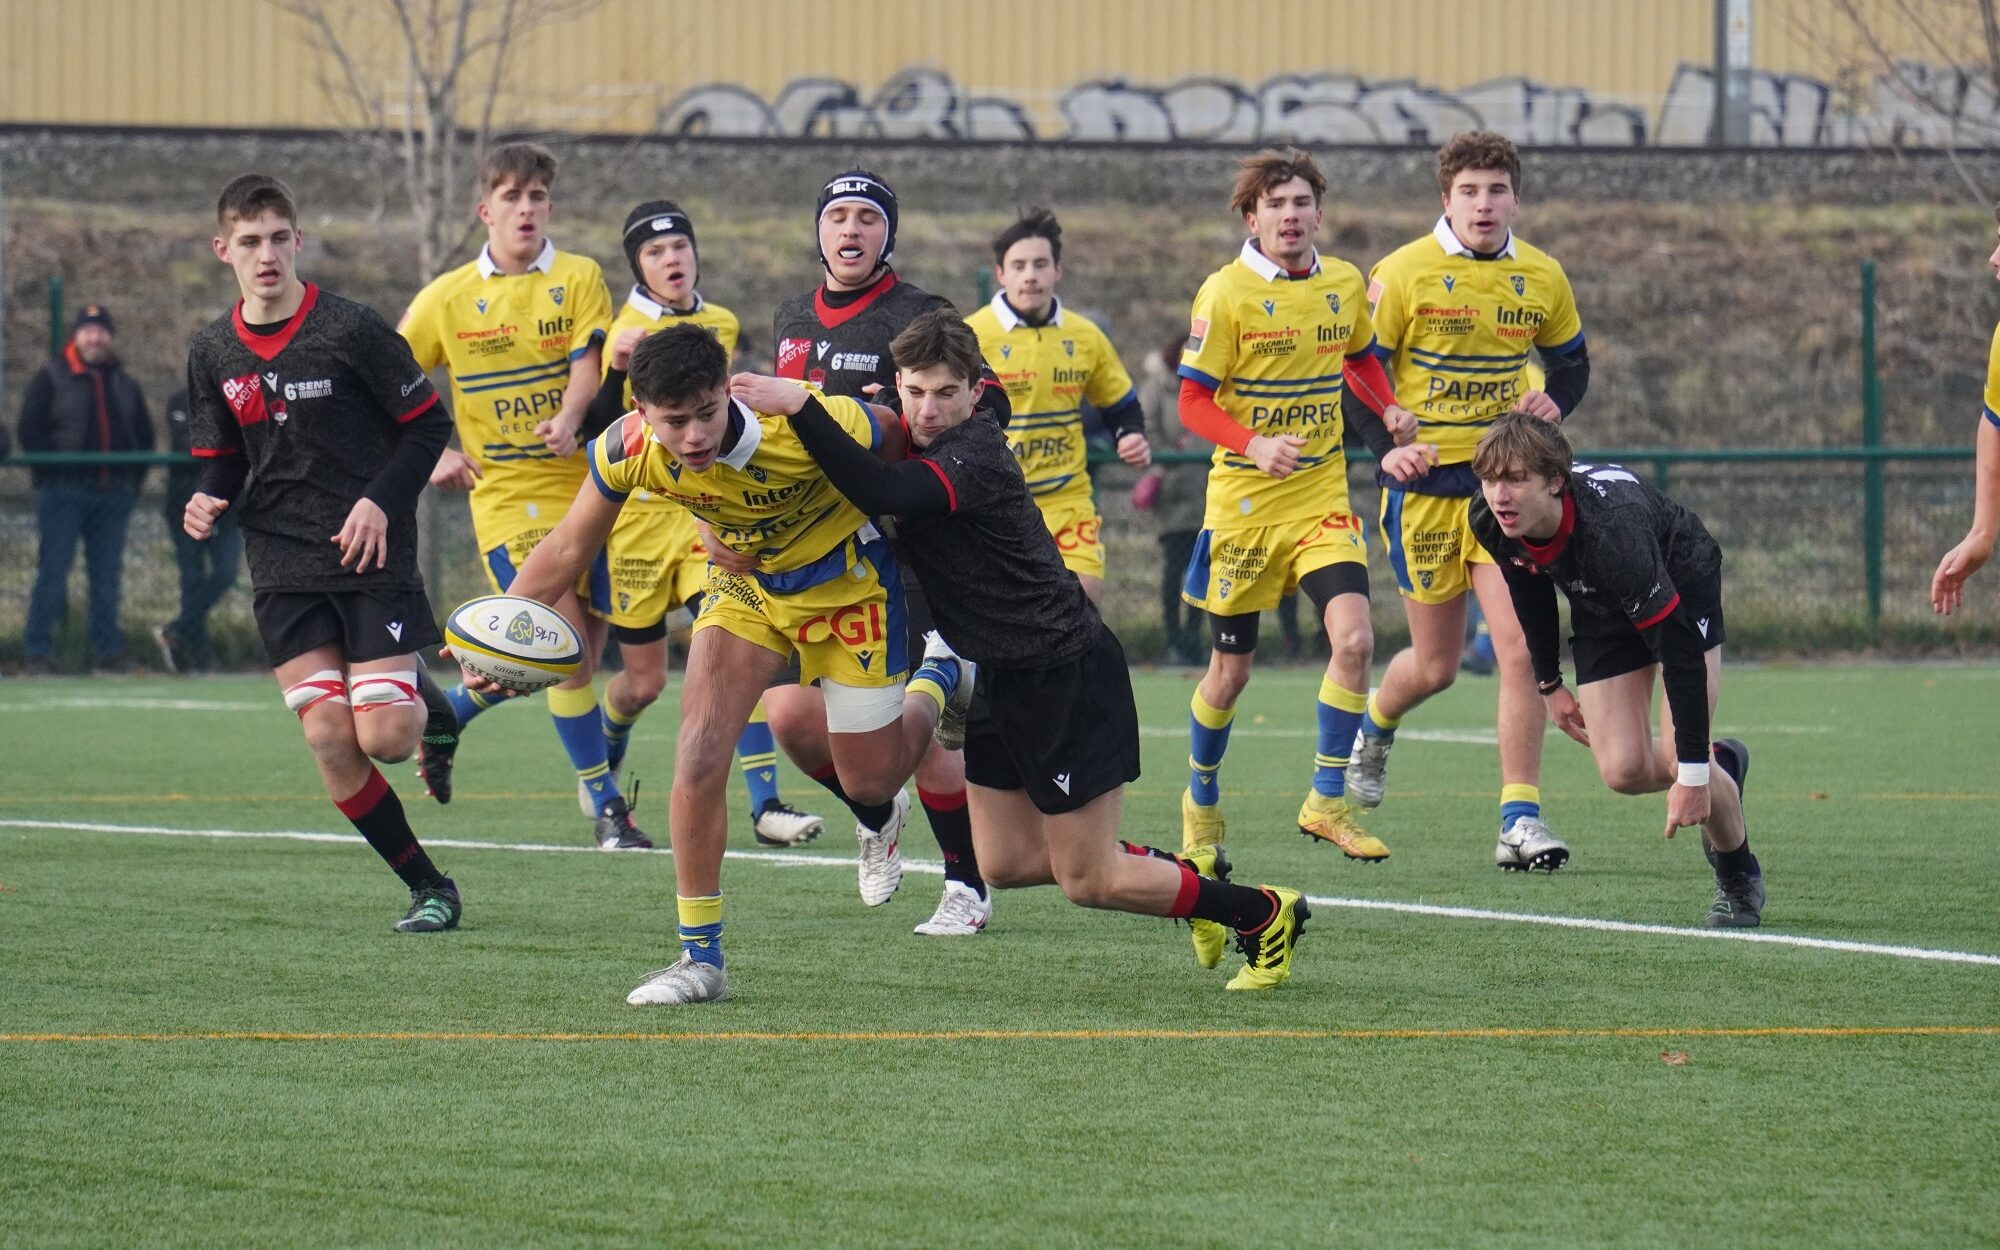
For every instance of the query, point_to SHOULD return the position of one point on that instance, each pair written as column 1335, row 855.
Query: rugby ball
column 514, row 642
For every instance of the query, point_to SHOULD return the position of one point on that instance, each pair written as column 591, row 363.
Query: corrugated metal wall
column 199, row 62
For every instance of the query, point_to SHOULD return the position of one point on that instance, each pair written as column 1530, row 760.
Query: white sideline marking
column 792, row 859
column 130, row 704
column 1461, row 737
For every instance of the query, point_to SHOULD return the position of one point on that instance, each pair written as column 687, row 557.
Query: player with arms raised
column 316, row 427
column 1053, row 735
column 1273, row 334
column 1053, row 359
column 521, row 328
column 817, row 579
column 1455, row 313
column 658, row 561
column 1644, row 583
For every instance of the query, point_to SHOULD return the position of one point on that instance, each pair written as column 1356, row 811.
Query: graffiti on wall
column 1917, row 106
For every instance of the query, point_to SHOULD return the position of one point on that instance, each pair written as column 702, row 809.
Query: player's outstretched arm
column 1972, row 552
column 907, row 488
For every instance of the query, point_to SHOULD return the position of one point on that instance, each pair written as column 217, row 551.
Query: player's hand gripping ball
column 513, row 642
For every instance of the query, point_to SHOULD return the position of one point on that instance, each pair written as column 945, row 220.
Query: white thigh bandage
column 860, row 709
column 325, row 686
column 373, row 690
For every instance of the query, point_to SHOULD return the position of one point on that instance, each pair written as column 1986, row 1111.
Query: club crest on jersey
column 1222, row 585
column 1270, row 308
column 556, row 294
column 1520, row 284
column 1449, row 282
column 1069, row 347
column 1333, row 303
column 1425, row 578
column 755, row 471
column 480, row 304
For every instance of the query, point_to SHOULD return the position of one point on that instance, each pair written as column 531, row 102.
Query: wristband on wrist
column 1693, row 776
column 1551, row 686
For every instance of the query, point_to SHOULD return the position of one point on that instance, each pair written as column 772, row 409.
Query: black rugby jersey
column 1623, row 556
column 315, row 412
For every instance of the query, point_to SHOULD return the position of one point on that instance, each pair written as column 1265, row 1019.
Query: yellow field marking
column 1054, row 1035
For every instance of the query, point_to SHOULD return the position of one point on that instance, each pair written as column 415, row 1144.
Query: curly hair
column 1477, row 149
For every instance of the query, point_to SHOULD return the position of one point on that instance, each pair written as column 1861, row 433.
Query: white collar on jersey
column 546, row 262
column 1448, row 239
column 1266, row 268
column 641, row 302
column 1009, row 318
column 748, row 442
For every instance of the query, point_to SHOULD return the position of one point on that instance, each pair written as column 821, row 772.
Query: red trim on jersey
column 267, row 346
column 1203, row 416
column 1545, row 556
column 1369, row 381
column 419, row 410
column 211, row 452
column 941, row 802
column 1661, row 615
column 832, row 317
column 363, row 801
column 949, row 493
column 1189, row 891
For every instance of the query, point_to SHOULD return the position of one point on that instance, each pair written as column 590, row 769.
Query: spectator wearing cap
column 82, row 401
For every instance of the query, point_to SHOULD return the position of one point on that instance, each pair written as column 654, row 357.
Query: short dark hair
column 1257, row 174
column 676, row 365
column 1538, row 447
column 1477, row 149
column 1036, row 223
column 252, row 195
column 939, row 337
column 517, row 162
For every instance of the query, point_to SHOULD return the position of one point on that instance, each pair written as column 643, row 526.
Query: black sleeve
column 908, row 488
column 386, row 366
column 419, row 443
column 1684, row 672
column 1366, row 422
column 992, row 399
column 223, row 476
column 1122, row 418
column 1534, row 596
column 1568, row 377
column 605, row 407
column 36, row 435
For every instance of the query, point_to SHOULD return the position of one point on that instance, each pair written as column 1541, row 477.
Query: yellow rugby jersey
column 641, row 312
column 508, row 341
column 1272, row 348
column 1992, row 405
column 766, row 497
column 1050, row 371
column 1454, row 331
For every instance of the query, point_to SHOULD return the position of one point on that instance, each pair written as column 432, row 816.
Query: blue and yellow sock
column 581, row 728
column 1340, row 713
column 758, row 756
column 1516, row 801
column 1376, row 722
column 937, row 678
column 1208, row 740
column 701, row 927
column 617, row 733
column 469, row 704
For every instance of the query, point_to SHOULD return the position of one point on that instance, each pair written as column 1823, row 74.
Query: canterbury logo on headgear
column 667, row 224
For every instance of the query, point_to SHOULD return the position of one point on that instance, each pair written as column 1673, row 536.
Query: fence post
column 1871, row 437
column 56, row 335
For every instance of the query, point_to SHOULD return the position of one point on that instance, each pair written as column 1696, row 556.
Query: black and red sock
column 952, row 827
column 873, row 815
column 377, row 813
column 1240, row 907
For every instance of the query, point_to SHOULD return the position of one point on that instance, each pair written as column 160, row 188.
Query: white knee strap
column 860, row 709
column 373, row 690
column 325, row 686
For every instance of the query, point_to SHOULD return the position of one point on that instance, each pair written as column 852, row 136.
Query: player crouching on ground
column 1053, row 735
column 1644, row 582
column 813, row 576
column 314, row 424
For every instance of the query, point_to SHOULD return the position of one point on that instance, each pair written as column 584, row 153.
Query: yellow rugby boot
column 1331, row 819
column 1209, row 937
column 1200, row 826
column 1267, row 950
